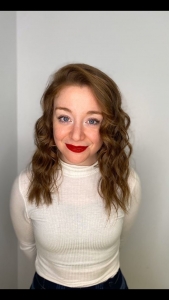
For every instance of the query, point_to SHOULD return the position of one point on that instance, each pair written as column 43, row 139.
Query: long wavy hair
column 114, row 155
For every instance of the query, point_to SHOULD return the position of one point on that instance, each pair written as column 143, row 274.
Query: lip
column 76, row 149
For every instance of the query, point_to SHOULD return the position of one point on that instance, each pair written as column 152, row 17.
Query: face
column 76, row 124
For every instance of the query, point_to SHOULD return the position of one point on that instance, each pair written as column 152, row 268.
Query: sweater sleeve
column 21, row 223
column 135, row 200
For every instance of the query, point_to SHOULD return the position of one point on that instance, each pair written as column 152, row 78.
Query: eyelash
column 95, row 121
column 62, row 120
column 63, row 117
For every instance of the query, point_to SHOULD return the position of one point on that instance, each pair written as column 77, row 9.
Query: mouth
column 76, row 149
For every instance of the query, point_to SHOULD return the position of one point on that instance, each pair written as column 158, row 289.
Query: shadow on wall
column 144, row 257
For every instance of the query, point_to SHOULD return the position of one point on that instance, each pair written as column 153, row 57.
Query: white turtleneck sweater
column 73, row 241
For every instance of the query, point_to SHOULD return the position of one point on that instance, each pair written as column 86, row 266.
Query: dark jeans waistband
column 116, row 282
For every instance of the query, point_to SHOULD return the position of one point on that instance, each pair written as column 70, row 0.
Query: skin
column 77, row 117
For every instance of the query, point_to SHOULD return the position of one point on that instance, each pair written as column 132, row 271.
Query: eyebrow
column 90, row 112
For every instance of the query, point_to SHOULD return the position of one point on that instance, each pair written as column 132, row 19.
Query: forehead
column 74, row 96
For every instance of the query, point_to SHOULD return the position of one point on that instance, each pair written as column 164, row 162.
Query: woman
column 79, row 195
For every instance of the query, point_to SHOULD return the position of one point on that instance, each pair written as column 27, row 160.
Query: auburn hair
column 114, row 155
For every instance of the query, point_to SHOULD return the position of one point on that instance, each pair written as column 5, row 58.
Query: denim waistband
column 116, row 282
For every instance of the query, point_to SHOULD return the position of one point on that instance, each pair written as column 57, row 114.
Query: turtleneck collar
column 79, row 171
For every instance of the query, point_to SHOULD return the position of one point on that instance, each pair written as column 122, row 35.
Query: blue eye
column 63, row 119
column 93, row 121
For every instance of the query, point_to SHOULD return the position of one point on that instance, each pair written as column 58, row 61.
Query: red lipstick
column 76, row 149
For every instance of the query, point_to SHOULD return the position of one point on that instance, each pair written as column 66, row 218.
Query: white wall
column 133, row 48
column 8, row 147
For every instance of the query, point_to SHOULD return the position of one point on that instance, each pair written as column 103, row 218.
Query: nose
column 77, row 132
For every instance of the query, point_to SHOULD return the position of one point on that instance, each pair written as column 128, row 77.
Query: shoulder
column 25, row 176
column 22, row 181
column 134, row 179
column 135, row 189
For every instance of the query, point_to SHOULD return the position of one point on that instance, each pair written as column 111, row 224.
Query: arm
column 135, row 200
column 21, row 223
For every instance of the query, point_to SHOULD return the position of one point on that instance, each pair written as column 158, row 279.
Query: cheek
column 56, row 133
column 59, row 132
column 95, row 136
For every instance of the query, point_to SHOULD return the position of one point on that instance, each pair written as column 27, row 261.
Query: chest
column 66, row 224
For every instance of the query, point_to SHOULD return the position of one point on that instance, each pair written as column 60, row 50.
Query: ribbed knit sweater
column 72, row 240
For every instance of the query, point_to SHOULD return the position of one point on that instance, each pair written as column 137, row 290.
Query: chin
column 77, row 161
